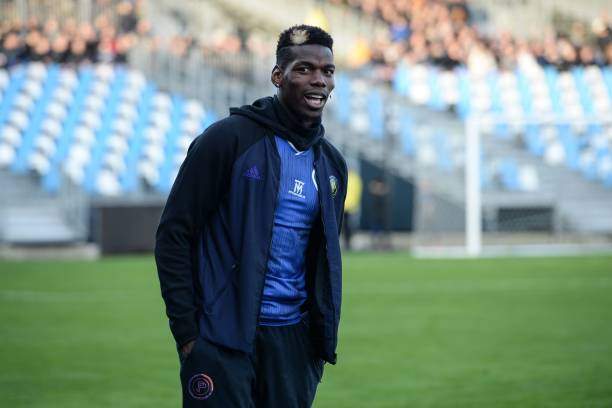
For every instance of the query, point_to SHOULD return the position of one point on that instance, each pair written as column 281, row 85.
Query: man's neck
column 303, row 121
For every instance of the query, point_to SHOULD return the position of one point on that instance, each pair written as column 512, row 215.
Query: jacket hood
column 270, row 113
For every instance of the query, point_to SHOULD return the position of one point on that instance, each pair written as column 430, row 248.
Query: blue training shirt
column 297, row 207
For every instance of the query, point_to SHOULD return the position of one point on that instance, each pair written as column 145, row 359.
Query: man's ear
column 277, row 76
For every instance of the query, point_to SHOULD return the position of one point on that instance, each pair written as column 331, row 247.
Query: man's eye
column 329, row 72
column 303, row 70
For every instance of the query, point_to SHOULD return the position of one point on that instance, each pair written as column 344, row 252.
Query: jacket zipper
column 263, row 286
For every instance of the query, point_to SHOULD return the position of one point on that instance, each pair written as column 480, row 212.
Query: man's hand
column 186, row 349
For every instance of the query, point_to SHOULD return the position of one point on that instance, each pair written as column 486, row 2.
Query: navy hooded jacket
column 214, row 236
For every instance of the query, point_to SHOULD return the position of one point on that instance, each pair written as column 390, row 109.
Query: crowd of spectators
column 441, row 32
column 438, row 32
column 108, row 39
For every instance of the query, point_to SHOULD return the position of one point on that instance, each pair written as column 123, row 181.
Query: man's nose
column 317, row 79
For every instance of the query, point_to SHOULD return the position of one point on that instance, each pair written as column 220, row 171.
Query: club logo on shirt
column 298, row 189
column 333, row 184
column 201, row 386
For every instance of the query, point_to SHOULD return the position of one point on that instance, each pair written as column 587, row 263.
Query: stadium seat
column 555, row 153
column 19, row 120
column 4, row 80
column 509, row 175
column 45, row 145
column 107, row 183
column 426, row 155
column 528, row 178
column 11, row 136
column 39, row 163
column 7, row 155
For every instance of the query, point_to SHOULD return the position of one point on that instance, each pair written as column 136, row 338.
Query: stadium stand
column 111, row 131
column 104, row 127
column 580, row 94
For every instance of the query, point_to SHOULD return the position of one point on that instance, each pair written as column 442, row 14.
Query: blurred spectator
column 67, row 42
column 351, row 206
column 439, row 32
column 379, row 190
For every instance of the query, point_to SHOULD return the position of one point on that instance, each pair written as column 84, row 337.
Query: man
column 247, row 247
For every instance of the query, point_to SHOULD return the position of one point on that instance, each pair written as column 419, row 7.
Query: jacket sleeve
column 197, row 191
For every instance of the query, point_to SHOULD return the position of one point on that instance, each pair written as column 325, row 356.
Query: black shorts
column 283, row 371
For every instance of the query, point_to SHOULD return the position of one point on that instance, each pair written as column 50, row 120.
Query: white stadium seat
column 160, row 120
column 117, row 144
column 100, row 89
column 183, row 142
column 57, row 111
column 4, row 79
column 36, row 70
column 554, row 154
column 79, row 154
column 149, row 172
column 23, row 101
column 45, row 145
column 426, row 155
column 94, row 103
column 528, row 178
column 161, row 100
column 154, row 135
column 68, row 78
column 39, row 163
column 19, row 119
column 104, row 71
column 108, row 184
column 114, row 162
column 63, row 95
column 75, row 171
column 10, row 135
column 190, row 126
column 123, row 127
column 84, row 135
column 154, row 153
column 135, row 78
column 194, row 108
column 7, row 155
column 127, row 110
column 32, row 87
column 91, row 119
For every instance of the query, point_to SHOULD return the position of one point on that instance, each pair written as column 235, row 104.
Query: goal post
column 537, row 185
column 473, row 194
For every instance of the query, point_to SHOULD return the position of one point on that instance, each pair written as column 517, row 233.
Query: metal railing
column 218, row 81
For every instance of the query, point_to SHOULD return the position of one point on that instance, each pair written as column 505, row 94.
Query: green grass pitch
column 414, row 333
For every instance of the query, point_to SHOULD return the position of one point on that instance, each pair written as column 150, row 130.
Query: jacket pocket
column 215, row 285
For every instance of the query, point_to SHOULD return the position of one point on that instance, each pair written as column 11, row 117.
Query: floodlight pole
column 473, row 200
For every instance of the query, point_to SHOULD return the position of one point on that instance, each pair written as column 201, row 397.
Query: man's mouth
column 315, row 100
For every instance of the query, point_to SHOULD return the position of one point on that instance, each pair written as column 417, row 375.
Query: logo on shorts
column 200, row 386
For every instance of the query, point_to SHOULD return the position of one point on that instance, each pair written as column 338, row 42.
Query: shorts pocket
column 184, row 358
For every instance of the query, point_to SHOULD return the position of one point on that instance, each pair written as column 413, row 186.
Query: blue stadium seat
column 20, row 164
column 376, row 115
column 435, row 101
column 509, row 174
column 342, row 93
column 407, row 134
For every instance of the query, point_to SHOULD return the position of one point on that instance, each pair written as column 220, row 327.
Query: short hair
column 300, row 35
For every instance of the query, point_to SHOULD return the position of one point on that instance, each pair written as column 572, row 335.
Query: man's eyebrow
column 311, row 65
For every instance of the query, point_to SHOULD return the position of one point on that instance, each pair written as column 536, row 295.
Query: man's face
column 306, row 82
